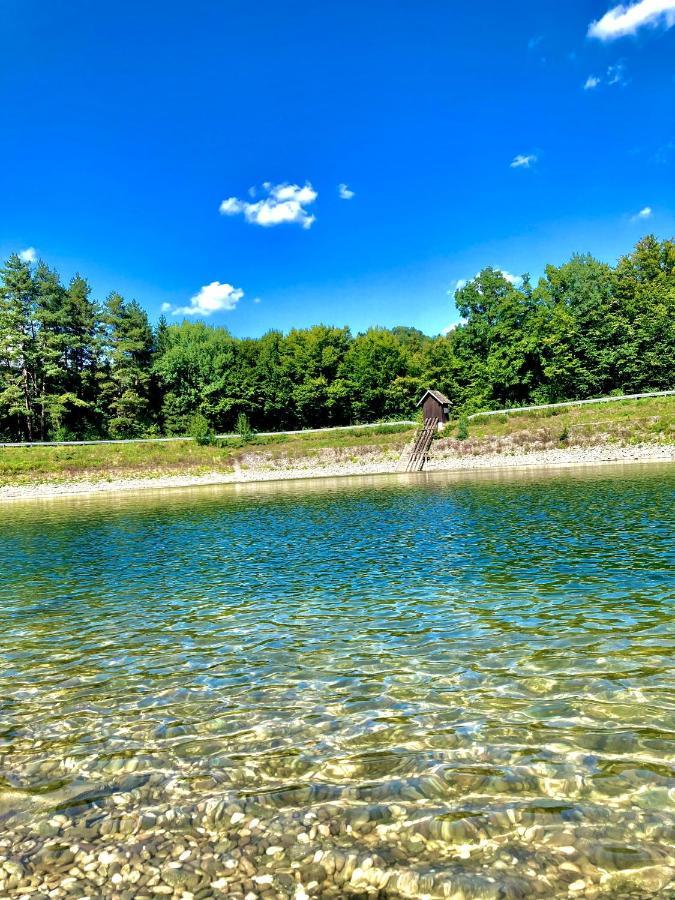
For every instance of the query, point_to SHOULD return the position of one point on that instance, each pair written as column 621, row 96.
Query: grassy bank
column 92, row 462
column 647, row 421
column 622, row 423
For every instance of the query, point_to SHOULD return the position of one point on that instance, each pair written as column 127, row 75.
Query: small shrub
column 484, row 420
column 200, row 430
column 564, row 435
column 63, row 434
column 243, row 428
column 463, row 428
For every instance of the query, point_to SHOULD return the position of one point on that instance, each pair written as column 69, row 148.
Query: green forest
column 73, row 367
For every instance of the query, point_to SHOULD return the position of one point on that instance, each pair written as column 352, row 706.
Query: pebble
column 478, row 832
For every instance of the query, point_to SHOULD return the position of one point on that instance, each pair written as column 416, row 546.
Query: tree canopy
column 74, row 367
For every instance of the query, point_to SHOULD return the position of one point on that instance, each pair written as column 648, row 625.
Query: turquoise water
column 427, row 686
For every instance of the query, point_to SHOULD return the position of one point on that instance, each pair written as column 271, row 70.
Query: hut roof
column 436, row 395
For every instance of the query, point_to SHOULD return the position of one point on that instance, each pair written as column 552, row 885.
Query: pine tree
column 19, row 356
column 128, row 347
column 51, row 346
column 83, row 330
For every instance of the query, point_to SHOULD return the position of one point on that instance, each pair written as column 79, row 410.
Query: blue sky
column 133, row 133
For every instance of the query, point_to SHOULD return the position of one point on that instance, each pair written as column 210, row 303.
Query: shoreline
column 556, row 458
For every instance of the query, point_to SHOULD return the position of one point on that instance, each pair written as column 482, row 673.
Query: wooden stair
column 420, row 450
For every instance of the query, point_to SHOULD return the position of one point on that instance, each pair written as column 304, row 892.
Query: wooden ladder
column 419, row 453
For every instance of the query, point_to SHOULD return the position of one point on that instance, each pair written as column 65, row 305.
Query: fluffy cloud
column 512, row 279
column 622, row 20
column 214, row 297
column 29, row 255
column 282, row 203
column 344, row 192
column 591, row 82
column 462, row 282
column 523, row 162
column 645, row 213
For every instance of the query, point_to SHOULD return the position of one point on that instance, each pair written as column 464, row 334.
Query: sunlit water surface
column 424, row 687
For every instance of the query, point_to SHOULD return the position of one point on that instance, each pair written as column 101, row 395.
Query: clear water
column 426, row 687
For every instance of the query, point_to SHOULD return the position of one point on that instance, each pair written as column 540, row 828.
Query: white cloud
column 283, row 203
column 214, row 297
column 645, row 213
column 512, row 279
column 344, row 192
column 622, row 20
column 456, row 285
column 256, row 299
column 462, row 282
column 614, row 75
column 29, row 255
column 523, row 161
column 453, row 326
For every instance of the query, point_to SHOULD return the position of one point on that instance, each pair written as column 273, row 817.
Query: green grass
column 105, row 462
column 626, row 422
column 651, row 421
column 378, row 436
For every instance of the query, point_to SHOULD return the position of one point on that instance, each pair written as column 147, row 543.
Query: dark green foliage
column 19, row 351
column 74, row 368
column 127, row 345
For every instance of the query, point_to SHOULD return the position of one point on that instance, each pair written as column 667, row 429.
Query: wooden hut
column 435, row 406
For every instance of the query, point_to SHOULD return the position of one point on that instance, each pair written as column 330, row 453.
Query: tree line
column 73, row 367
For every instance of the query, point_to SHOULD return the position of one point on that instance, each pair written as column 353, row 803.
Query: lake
column 425, row 686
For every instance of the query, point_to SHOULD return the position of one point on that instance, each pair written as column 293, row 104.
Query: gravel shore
column 328, row 467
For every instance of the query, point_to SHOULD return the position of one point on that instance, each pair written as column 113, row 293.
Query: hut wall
column 432, row 409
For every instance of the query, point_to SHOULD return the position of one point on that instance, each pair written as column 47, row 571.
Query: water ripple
column 426, row 687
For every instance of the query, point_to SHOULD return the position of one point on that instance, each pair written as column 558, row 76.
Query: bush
column 63, row 434
column 200, row 430
column 463, row 428
column 243, row 427
column 564, row 435
column 388, row 429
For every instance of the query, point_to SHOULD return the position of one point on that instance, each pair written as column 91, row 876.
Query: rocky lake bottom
column 436, row 687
